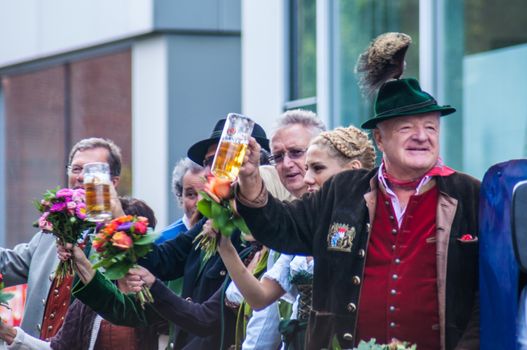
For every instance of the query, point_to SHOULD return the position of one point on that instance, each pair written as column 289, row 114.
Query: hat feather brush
column 382, row 61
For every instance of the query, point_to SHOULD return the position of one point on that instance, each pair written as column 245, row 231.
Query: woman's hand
column 251, row 160
column 224, row 244
column 81, row 264
column 250, row 183
column 7, row 333
column 136, row 278
column 64, row 253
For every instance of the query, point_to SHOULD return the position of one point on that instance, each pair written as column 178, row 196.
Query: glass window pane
column 101, row 105
column 46, row 112
column 483, row 77
column 35, row 153
column 303, row 49
column 359, row 22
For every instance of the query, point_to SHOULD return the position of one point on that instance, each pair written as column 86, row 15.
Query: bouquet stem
column 207, row 244
column 144, row 296
column 64, row 269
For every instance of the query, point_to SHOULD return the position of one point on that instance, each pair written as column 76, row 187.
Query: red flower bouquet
column 119, row 244
column 63, row 214
column 217, row 203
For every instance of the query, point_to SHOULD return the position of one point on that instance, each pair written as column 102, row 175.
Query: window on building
column 302, row 55
column 357, row 24
column 482, row 69
column 47, row 111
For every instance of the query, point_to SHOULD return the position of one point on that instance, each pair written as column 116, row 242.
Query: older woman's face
column 192, row 184
column 320, row 166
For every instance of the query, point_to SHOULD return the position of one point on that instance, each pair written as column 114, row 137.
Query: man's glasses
column 77, row 170
column 292, row 154
column 74, row 169
column 207, row 162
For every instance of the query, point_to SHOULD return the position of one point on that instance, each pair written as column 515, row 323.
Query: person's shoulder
column 354, row 176
column 175, row 226
column 463, row 180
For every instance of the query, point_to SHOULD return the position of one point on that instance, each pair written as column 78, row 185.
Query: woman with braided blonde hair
column 334, row 151
column 291, row 276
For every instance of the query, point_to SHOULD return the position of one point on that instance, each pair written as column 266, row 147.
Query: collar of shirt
column 397, row 208
column 186, row 221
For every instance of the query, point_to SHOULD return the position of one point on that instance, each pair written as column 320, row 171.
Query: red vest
column 56, row 307
column 112, row 337
column 399, row 295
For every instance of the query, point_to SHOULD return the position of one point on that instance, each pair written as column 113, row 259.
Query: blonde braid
column 350, row 143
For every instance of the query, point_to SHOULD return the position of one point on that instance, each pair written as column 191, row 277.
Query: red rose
column 122, row 240
column 98, row 242
column 140, row 228
column 218, row 188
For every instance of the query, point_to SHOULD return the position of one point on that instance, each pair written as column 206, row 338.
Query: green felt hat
column 403, row 97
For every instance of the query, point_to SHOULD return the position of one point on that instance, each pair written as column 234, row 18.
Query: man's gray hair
column 114, row 158
column 303, row 117
column 179, row 172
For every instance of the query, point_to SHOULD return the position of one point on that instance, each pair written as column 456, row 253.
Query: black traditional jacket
column 303, row 227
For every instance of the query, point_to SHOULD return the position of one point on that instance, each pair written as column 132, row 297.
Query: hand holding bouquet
column 217, row 203
column 63, row 214
column 119, row 244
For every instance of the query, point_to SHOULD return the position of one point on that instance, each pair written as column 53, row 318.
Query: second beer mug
column 233, row 144
column 97, row 184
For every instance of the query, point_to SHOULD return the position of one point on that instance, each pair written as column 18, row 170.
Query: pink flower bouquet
column 63, row 214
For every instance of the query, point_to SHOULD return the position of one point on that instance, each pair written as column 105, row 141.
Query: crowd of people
column 339, row 250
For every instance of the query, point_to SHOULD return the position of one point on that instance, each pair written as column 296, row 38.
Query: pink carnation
column 78, row 195
column 65, row 192
column 57, row 207
column 80, row 211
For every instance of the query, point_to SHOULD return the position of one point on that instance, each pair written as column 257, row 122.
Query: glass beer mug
column 233, row 144
column 97, row 184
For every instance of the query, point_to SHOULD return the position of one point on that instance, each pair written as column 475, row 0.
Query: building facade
column 154, row 75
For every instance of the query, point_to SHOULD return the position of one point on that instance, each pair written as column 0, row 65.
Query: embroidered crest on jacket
column 340, row 237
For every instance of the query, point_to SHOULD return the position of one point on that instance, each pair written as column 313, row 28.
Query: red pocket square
column 466, row 238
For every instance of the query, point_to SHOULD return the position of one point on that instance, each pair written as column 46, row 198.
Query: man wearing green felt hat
column 411, row 271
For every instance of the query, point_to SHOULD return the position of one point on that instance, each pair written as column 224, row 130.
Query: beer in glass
column 233, row 144
column 97, row 184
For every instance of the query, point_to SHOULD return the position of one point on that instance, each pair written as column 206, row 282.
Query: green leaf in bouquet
column 228, row 229
column 240, row 224
column 221, row 217
column 215, row 210
column 117, row 270
column 142, row 250
column 104, row 263
column 205, row 196
column 204, row 207
column 147, row 239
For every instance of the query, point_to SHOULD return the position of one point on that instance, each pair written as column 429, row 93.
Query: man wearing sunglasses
column 289, row 143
